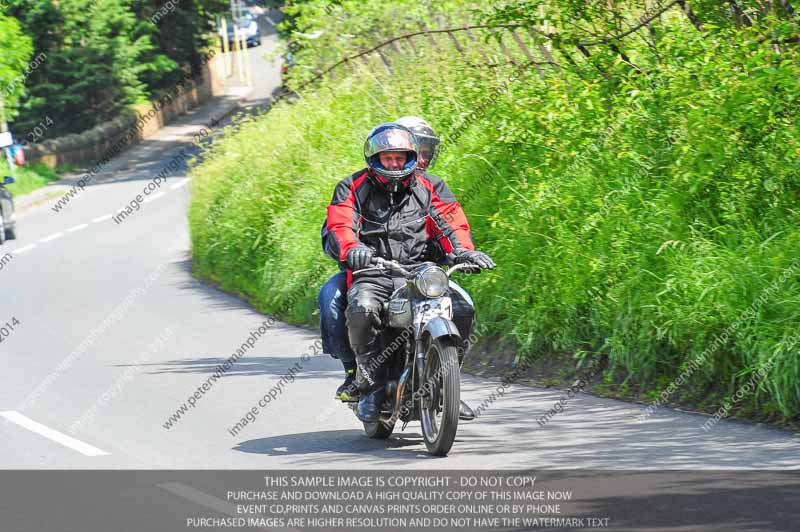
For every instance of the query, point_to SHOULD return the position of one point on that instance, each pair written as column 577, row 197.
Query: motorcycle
column 420, row 345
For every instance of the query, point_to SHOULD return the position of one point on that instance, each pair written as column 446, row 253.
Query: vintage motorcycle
column 420, row 346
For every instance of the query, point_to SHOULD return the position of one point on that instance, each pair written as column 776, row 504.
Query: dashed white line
column 154, row 197
column 77, row 228
column 180, row 183
column 102, row 218
column 58, row 437
column 24, row 249
column 52, row 237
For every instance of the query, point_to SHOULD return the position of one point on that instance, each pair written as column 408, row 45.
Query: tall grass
column 635, row 218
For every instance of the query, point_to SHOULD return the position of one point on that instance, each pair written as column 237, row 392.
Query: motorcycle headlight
column 432, row 282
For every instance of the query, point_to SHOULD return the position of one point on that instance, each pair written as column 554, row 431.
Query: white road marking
column 77, row 228
column 24, row 249
column 58, row 437
column 102, row 218
column 180, row 183
column 153, row 198
column 52, row 237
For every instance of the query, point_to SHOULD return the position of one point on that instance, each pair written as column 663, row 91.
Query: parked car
column 247, row 25
column 8, row 225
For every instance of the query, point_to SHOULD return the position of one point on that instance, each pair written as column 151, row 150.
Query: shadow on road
column 244, row 367
column 604, row 433
column 336, row 442
column 216, row 298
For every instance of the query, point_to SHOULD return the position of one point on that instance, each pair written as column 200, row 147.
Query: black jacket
column 396, row 227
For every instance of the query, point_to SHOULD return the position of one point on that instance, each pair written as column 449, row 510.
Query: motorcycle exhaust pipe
column 401, row 386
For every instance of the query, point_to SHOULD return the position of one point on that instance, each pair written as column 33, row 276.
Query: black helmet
column 390, row 136
column 426, row 138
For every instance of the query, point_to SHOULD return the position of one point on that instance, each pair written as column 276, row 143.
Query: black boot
column 369, row 407
column 465, row 413
column 373, row 383
column 348, row 391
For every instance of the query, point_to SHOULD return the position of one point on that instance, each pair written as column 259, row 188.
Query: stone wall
column 138, row 122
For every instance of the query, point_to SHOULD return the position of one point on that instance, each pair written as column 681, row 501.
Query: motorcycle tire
column 378, row 430
column 444, row 396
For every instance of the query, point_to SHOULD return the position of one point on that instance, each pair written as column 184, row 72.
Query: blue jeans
column 332, row 303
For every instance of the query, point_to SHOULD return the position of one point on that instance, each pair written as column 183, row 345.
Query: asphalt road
column 110, row 334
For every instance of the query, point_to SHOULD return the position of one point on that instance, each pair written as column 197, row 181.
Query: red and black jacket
column 396, row 227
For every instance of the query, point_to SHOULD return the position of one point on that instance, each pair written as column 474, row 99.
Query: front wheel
column 441, row 385
column 2, row 230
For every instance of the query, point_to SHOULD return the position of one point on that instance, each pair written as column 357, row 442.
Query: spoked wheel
column 378, row 430
column 441, row 382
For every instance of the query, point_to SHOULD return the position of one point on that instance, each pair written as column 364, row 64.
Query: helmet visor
column 390, row 139
column 428, row 150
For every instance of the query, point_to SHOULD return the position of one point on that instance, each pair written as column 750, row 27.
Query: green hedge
column 638, row 217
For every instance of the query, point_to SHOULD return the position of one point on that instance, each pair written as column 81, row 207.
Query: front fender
column 439, row 327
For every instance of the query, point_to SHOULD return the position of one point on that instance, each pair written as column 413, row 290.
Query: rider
column 332, row 296
column 388, row 210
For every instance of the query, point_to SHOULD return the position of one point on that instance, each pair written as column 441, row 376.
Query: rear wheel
column 439, row 404
column 378, row 430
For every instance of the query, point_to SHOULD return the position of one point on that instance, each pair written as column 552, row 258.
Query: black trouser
column 366, row 298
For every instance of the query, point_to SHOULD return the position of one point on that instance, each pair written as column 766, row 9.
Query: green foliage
column 29, row 177
column 322, row 32
column 101, row 56
column 16, row 51
column 640, row 206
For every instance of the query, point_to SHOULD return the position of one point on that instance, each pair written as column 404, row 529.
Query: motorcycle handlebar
column 407, row 269
column 393, row 265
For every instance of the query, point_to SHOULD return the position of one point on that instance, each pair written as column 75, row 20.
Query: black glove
column 359, row 257
column 478, row 258
column 434, row 252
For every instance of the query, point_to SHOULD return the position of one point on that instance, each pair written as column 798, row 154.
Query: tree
column 15, row 52
column 103, row 55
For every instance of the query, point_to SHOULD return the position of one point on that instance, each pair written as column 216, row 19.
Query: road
column 110, row 335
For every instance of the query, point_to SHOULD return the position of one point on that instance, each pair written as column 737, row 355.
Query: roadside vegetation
column 642, row 200
column 29, row 177
column 90, row 60
column 68, row 66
